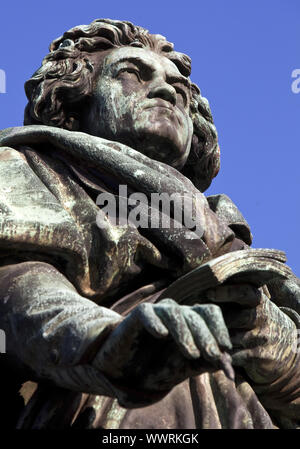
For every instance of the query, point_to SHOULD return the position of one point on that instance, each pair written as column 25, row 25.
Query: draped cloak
column 68, row 274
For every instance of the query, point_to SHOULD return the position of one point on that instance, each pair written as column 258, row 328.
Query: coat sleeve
column 282, row 397
column 53, row 330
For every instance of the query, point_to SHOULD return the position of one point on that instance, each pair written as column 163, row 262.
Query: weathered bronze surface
column 114, row 105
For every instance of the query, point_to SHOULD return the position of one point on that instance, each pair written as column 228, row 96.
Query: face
column 141, row 99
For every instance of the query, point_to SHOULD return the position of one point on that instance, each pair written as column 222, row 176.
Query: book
column 254, row 266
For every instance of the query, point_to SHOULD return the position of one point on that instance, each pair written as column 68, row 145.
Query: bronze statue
column 113, row 105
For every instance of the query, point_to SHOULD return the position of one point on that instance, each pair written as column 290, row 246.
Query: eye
column 129, row 73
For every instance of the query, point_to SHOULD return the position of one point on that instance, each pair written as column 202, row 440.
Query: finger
column 226, row 365
column 213, row 317
column 202, row 335
column 172, row 318
column 241, row 319
column 244, row 294
column 116, row 348
column 241, row 358
column 207, row 344
column 249, row 339
column 150, row 321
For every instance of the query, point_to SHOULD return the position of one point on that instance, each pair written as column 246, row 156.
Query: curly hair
column 66, row 78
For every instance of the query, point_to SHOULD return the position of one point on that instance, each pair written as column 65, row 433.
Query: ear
column 72, row 122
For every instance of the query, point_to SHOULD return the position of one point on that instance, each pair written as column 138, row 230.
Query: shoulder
column 15, row 172
column 24, row 197
column 9, row 154
column 225, row 208
column 14, row 169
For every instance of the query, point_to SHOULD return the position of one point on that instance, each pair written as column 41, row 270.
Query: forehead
column 142, row 56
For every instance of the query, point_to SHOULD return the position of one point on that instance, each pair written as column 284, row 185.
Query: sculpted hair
column 66, row 76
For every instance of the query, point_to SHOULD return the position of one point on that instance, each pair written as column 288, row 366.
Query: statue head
column 117, row 81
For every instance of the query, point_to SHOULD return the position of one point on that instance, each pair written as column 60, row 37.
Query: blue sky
column 243, row 55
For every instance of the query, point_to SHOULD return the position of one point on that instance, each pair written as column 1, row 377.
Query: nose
column 161, row 89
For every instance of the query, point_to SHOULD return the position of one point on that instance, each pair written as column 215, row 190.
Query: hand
column 159, row 345
column 263, row 337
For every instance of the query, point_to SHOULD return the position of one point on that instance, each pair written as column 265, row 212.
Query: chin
column 161, row 141
column 164, row 149
column 164, row 142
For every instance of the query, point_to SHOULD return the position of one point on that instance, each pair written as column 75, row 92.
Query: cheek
column 190, row 129
column 129, row 87
column 187, row 127
column 125, row 109
column 187, row 123
column 122, row 110
column 119, row 112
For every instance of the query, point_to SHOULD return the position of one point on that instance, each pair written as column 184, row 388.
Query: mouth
column 160, row 104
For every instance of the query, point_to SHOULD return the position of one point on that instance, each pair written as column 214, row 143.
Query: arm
column 50, row 328
column 65, row 338
column 265, row 345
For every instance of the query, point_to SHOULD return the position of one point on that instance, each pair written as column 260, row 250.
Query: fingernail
column 195, row 353
column 225, row 362
column 213, row 353
column 227, row 344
